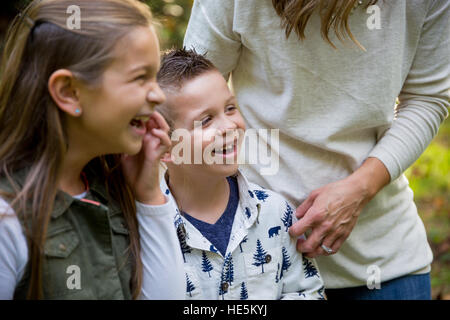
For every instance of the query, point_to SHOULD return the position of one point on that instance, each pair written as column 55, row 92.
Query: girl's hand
column 332, row 210
column 142, row 170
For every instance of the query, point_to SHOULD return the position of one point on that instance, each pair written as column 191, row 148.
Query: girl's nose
column 155, row 95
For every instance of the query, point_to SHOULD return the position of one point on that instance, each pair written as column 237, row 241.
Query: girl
column 71, row 101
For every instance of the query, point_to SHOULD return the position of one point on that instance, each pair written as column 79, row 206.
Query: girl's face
column 114, row 115
column 207, row 102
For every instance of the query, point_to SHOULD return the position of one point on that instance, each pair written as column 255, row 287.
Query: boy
column 233, row 234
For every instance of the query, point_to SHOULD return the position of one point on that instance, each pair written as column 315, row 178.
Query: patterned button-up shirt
column 261, row 261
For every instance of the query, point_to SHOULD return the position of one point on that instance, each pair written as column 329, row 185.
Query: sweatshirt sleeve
column 424, row 98
column 13, row 251
column 163, row 270
column 210, row 31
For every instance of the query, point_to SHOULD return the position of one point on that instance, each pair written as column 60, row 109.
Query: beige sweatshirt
column 335, row 108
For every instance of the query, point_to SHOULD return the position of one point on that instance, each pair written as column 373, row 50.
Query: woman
column 71, row 101
column 343, row 148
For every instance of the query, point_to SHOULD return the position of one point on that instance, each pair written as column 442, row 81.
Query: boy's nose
column 227, row 125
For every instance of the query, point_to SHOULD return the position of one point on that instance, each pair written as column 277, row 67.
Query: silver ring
column 327, row 250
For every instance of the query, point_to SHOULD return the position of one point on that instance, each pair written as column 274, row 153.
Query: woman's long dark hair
column 334, row 15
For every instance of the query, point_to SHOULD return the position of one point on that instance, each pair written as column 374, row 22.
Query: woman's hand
column 332, row 210
column 142, row 170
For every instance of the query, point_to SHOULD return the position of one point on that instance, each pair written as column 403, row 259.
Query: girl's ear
column 64, row 92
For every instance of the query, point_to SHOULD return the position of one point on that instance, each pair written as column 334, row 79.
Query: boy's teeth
column 226, row 149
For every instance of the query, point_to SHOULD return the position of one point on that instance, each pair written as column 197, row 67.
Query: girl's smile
column 137, row 124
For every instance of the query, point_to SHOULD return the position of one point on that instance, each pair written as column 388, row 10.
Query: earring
column 77, row 111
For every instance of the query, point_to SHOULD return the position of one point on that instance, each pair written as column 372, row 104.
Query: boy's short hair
column 180, row 65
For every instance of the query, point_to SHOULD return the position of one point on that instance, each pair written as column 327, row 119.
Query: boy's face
column 206, row 108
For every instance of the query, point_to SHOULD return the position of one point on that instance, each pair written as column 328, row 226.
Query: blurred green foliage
column 429, row 178
column 173, row 16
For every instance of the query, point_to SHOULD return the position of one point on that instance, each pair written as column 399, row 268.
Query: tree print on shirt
column 260, row 256
column 244, row 292
column 286, row 263
column 206, row 264
column 309, row 268
column 261, row 195
column 182, row 239
column 189, row 286
column 287, row 217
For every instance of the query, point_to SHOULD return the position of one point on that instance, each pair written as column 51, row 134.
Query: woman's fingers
column 338, row 243
column 301, row 226
column 336, row 234
column 329, row 242
column 304, row 207
column 312, row 244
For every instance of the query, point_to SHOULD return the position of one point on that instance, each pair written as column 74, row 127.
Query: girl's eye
column 141, row 78
column 206, row 120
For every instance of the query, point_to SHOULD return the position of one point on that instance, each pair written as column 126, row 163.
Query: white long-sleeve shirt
column 335, row 108
column 163, row 276
column 163, row 272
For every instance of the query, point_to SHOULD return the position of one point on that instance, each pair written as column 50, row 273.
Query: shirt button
column 268, row 258
column 224, row 286
column 62, row 247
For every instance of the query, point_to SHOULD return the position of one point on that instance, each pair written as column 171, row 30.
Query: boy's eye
column 231, row 108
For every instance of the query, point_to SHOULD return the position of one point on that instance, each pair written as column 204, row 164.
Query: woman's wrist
column 372, row 176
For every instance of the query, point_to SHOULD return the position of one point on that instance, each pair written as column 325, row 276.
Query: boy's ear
column 64, row 92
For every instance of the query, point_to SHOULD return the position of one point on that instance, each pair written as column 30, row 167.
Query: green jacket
column 86, row 250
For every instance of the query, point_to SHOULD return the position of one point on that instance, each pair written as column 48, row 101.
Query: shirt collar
column 248, row 204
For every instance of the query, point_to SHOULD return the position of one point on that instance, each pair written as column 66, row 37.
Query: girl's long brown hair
column 32, row 131
column 334, row 15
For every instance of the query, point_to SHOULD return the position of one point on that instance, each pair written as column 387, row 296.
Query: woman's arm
column 210, row 31
column 332, row 211
column 424, row 98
